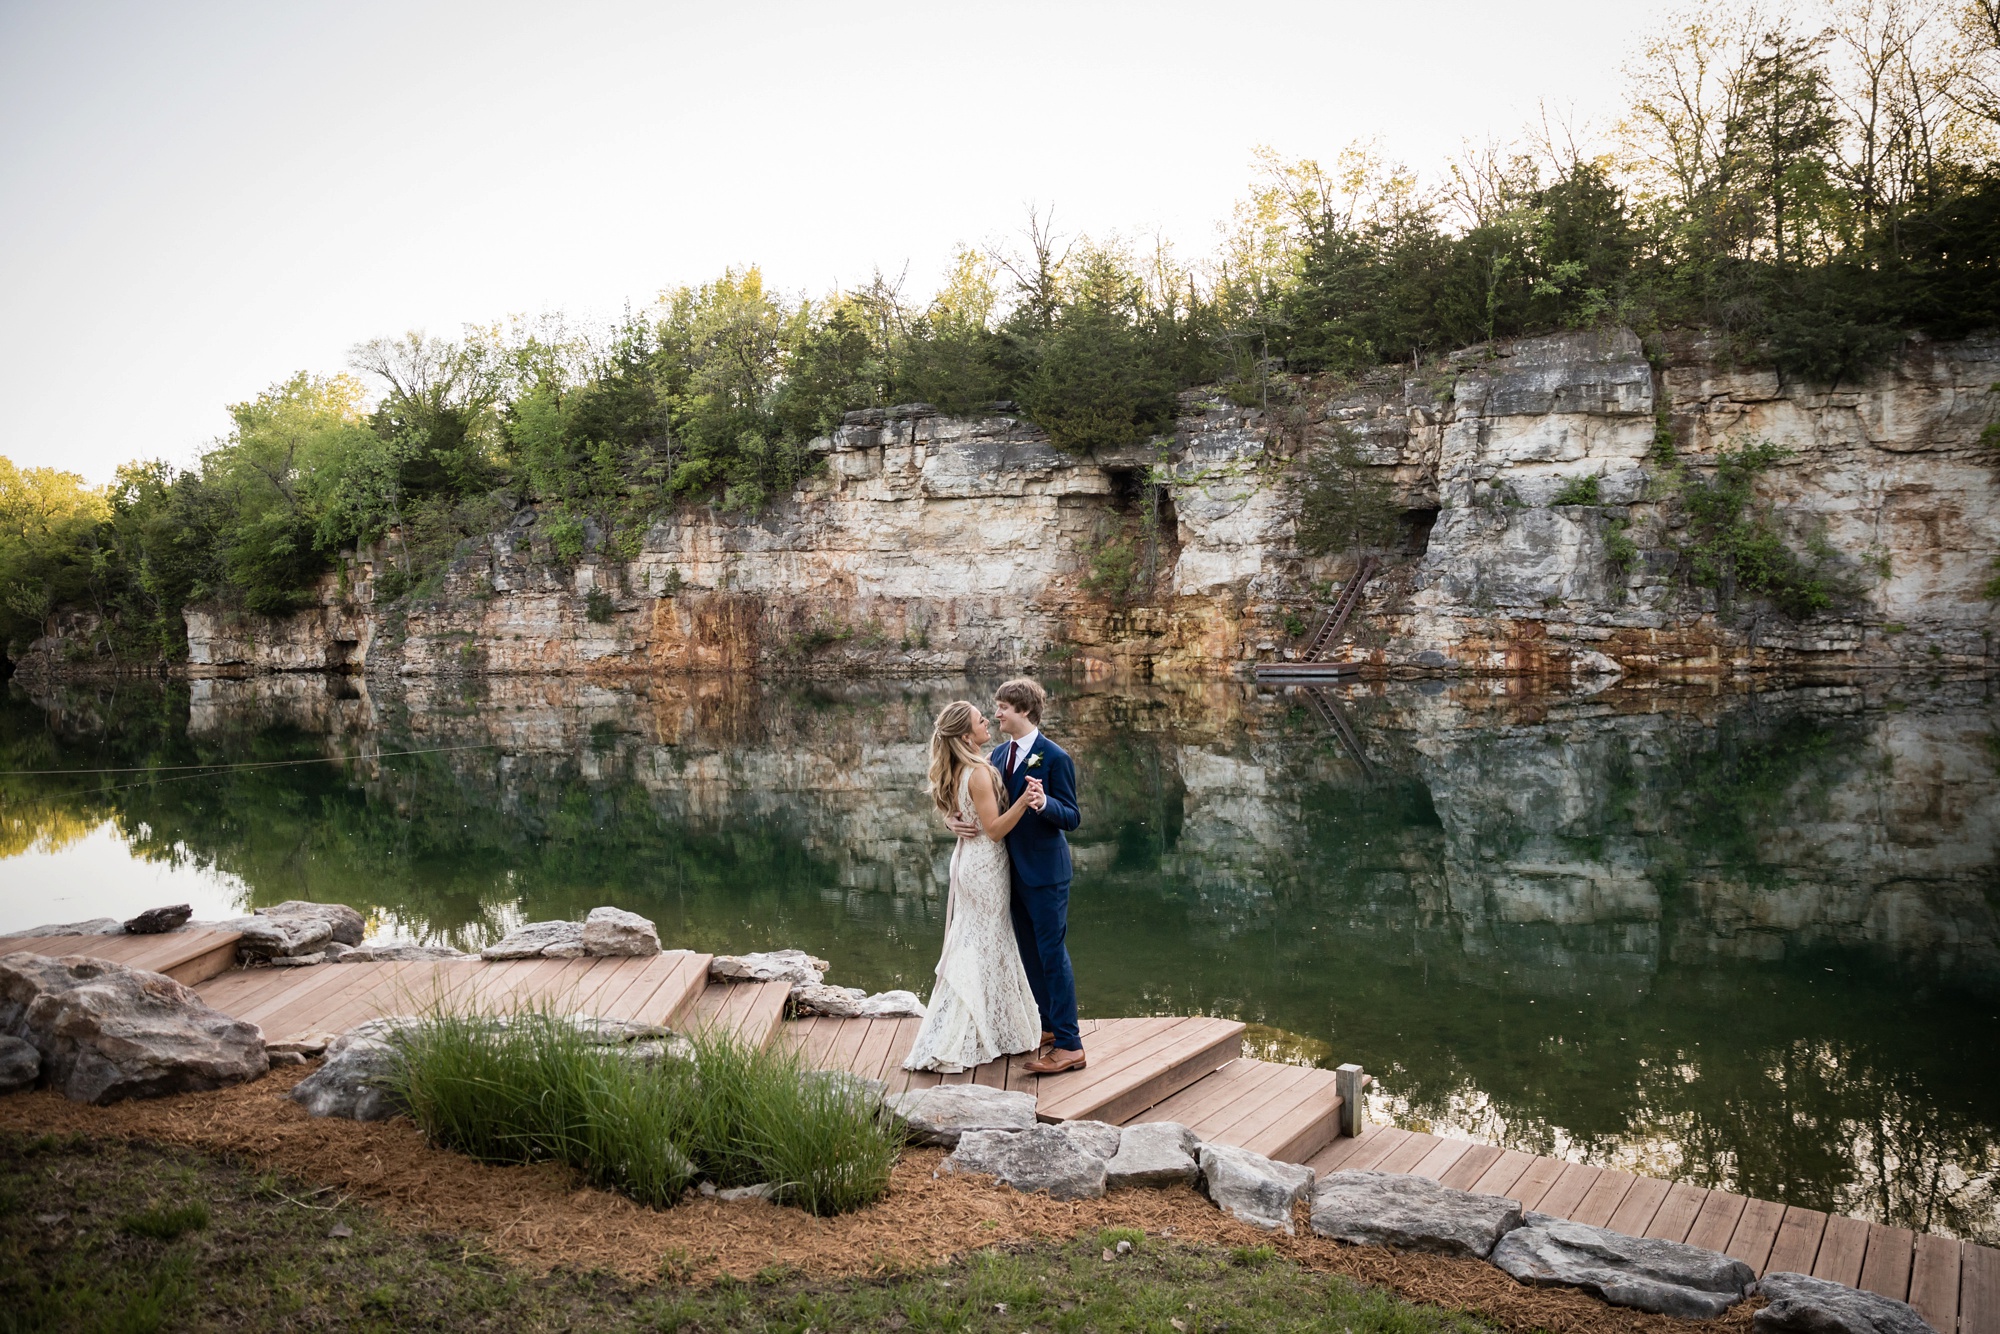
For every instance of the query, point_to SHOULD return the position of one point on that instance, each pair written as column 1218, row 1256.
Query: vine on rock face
column 1734, row 544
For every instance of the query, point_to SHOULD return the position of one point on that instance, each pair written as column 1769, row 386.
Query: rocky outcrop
column 931, row 545
column 1798, row 1304
column 355, row 1079
column 20, row 1063
column 538, row 940
column 1054, row 1158
column 158, row 921
column 105, row 1032
column 1253, row 1188
column 794, row 966
column 1154, row 1153
column 611, row 932
column 945, row 1112
column 347, row 925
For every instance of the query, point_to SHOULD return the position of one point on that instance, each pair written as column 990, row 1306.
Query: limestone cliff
column 929, row 544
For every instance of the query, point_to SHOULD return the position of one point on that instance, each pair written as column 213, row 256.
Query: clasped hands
column 1032, row 794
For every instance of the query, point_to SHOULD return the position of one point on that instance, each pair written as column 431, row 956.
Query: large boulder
column 348, row 925
column 1410, row 1212
column 353, row 1080
column 1801, row 1305
column 1045, row 1158
column 265, row 937
column 106, row 1032
column 1251, row 1187
column 942, row 1113
column 794, row 966
column 402, row 952
column 1665, row 1277
column 159, row 921
column 615, row 932
column 1154, row 1153
column 20, row 1063
column 538, row 940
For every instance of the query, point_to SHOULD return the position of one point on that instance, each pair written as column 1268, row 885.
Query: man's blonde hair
column 1024, row 695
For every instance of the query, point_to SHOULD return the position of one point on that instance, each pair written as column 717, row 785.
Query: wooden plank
column 1642, row 1200
column 1145, row 1073
column 213, row 962
column 1535, row 1183
column 1376, row 1147
column 1333, row 1158
column 1202, row 1099
column 665, row 989
column 279, row 1008
column 874, row 1048
column 1569, row 1189
column 1715, row 1223
column 241, row 993
column 1500, row 1176
column 1887, row 1268
column 1309, row 1124
column 1441, row 1159
column 1409, row 1153
column 1934, row 1281
column 1255, row 1086
column 1797, row 1245
column 1978, row 1290
column 1261, row 1108
column 1756, row 1232
column 1605, row 1195
column 1842, row 1247
column 1471, row 1166
column 1674, row 1219
column 1122, row 1046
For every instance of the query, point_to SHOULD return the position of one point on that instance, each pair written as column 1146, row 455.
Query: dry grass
column 541, row 1218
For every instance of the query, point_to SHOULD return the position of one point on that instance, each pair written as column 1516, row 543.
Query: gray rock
column 1410, row 1212
column 1155, row 1153
column 353, row 1081
column 609, row 1032
column 1043, row 1158
column 297, row 960
column 106, row 1032
column 1099, row 1139
column 867, row 1092
column 795, row 966
column 267, row 937
column 1251, row 1187
column 335, row 951
column 348, row 925
column 96, row 926
column 939, row 1115
column 811, row 998
column 763, row 1190
column 893, row 1005
column 536, row 940
column 396, row 953
column 1665, row 1277
column 159, row 921
column 613, row 932
column 20, row 1064
column 1802, row 1305
column 652, row 1051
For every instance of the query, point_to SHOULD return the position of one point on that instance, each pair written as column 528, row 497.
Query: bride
column 981, row 1008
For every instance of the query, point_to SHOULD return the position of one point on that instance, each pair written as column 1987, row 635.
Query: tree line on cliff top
column 1808, row 188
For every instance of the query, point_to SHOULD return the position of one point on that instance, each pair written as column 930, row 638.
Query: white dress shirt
column 1024, row 744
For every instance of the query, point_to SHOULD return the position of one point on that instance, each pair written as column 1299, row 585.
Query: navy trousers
column 1041, row 929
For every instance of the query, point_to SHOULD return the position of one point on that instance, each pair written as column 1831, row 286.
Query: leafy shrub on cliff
column 1340, row 504
column 1734, row 546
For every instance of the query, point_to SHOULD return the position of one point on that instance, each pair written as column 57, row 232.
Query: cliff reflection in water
column 1737, row 939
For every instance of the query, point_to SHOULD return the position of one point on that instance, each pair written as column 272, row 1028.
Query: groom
column 1039, row 772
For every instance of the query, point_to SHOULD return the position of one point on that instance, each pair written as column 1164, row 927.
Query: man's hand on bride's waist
column 963, row 828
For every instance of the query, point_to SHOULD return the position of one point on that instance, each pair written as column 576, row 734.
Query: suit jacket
column 1036, row 846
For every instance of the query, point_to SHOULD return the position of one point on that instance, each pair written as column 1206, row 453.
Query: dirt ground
column 541, row 1218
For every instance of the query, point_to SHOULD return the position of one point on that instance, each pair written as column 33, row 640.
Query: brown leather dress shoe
column 1056, row 1062
column 1048, row 1040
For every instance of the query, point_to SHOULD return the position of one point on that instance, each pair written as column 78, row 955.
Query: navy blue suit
column 1041, row 873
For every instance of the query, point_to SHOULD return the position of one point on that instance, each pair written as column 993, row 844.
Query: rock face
column 1043, row 1158
column 1251, row 1187
column 20, row 1063
column 1154, row 1153
column 106, row 1032
column 1802, row 1305
column 1410, row 1212
column 351, row 1082
column 538, row 940
column 158, row 921
column 794, row 966
column 348, row 925
column 1660, row 1276
column 940, row 1114
column 868, row 558
column 614, row 932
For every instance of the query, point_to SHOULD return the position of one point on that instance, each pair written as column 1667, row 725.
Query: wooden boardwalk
column 1187, row 1069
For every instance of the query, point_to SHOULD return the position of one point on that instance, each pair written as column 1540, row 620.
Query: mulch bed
column 541, row 1218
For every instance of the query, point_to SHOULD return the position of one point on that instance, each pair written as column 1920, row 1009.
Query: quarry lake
column 1738, row 938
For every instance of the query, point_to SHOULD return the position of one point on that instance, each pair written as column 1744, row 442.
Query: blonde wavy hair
column 953, row 752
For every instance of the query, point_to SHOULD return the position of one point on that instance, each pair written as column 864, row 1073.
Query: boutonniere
column 1034, row 760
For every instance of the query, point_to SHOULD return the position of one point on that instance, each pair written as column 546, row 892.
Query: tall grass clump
column 534, row 1087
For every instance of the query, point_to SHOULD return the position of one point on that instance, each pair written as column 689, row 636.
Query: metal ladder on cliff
column 1336, row 619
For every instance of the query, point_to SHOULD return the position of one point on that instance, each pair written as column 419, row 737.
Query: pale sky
column 198, row 199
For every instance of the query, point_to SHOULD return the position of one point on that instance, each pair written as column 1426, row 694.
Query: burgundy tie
column 1010, row 757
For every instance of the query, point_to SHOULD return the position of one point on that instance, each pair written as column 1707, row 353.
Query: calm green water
column 1737, row 939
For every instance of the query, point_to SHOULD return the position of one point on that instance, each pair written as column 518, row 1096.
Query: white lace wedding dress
column 981, row 1008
